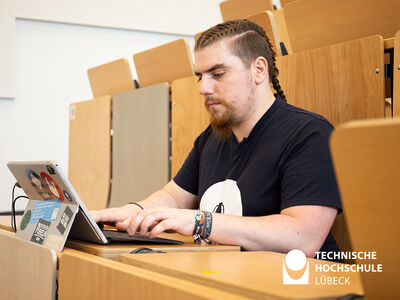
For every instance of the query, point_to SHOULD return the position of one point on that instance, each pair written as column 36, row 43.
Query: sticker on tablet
column 53, row 186
column 51, row 170
column 25, row 219
column 38, row 184
column 67, row 196
column 40, row 232
column 46, row 210
column 65, row 219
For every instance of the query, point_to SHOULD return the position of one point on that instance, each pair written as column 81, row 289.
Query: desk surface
column 114, row 250
column 5, row 222
column 252, row 274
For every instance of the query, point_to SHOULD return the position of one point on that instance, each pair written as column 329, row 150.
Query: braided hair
column 250, row 42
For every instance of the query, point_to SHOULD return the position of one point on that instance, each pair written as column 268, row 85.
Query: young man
column 263, row 163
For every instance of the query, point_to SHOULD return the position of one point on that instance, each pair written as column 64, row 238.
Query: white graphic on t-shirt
column 223, row 197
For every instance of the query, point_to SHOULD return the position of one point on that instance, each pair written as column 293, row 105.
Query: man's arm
column 171, row 195
column 300, row 227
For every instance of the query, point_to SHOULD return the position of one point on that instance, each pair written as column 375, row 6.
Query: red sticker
column 54, row 188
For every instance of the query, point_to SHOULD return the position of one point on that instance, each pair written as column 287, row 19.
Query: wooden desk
column 256, row 275
column 85, row 276
column 5, row 222
column 113, row 251
column 116, row 249
column 28, row 270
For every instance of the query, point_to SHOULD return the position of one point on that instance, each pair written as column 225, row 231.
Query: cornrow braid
column 250, row 42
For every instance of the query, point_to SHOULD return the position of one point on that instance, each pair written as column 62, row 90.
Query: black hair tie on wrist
column 137, row 204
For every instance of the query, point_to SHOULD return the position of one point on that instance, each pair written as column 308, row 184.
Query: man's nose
column 206, row 87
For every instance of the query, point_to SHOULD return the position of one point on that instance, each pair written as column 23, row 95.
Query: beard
column 221, row 122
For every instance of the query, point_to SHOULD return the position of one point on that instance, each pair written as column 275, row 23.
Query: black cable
column 13, row 201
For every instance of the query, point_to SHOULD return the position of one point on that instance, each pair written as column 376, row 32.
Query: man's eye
column 218, row 75
column 198, row 78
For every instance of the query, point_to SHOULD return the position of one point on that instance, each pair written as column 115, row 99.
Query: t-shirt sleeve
column 307, row 177
column 188, row 175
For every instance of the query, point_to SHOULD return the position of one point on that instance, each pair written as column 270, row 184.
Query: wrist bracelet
column 137, row 204
column 202, row 226
column 207, row 226
column 198, row 222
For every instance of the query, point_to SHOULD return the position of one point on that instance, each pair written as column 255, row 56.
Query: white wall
column 167, row 16
column 51, row 64
column 7, row 35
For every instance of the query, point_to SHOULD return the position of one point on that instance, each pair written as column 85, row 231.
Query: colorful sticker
column 67, row 196
column 38, row 185
column 51, row 170
column 65, row 219
column 54, row 188
column 45, row 210
column 40, row 232
column 25, row 219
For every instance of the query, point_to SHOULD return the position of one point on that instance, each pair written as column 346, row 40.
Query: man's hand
column 160, row 219
column 115, row 216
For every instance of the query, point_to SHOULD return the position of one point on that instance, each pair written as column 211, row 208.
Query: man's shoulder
column 299, row 116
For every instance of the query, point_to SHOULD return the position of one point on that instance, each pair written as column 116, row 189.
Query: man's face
column 226, row 84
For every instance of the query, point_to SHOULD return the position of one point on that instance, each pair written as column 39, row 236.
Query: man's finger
column 134, row 223
column 161, row 227
column 149, row 220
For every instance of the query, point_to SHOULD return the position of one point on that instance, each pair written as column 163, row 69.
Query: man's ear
column 260, row 70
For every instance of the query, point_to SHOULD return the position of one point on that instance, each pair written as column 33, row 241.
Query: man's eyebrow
column 213, row 68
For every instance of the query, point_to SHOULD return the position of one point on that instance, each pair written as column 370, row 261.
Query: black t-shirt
column 285, row 161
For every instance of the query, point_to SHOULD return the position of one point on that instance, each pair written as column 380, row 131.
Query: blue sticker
column 67, row 196
column 46, row 210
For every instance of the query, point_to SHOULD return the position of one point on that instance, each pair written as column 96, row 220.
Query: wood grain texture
column 28, row 270
column 239, row 9
column 111, row 78
column 266, row 20
column 316, row 23
column 339, row 81
column 164, row 63
column 281, row 28
column 396, row 76
column 366, row 156
column 388, row 43
column 114, row 250
column 255, row 274
column 189, row 118
column 285, row 2
column 141, row 146
column 85, row 276
column 89, row 164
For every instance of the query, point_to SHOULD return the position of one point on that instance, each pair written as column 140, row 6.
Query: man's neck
column 260, row 108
